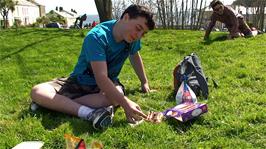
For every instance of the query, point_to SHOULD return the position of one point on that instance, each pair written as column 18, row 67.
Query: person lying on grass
column 93, row 89
column 234, row 21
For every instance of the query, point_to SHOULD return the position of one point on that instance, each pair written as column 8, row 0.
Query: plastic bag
column 185, row 94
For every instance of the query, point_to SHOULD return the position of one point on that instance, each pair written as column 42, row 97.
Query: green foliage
column 5, row 7
column 43, row 20
column 52, row 16
column 236, row 117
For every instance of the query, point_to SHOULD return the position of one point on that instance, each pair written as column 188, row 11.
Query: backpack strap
column 194, row 63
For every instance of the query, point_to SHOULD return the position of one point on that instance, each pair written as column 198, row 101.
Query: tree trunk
column 192, row 15
column 176, row 15
column 171, row 14
column 186, row 15
column 5, row 12
column 261, row 25
column 159, row 12
column 163, row 13
column 199, row 16
column 247, row 15
column 202, row 14
column 183, row 15
column 104, row 8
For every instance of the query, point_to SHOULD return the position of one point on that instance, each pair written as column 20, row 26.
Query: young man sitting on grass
column 93, row 88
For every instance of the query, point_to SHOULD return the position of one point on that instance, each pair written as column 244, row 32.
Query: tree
column 43, row 20
column 52, row 16
column 200, row 15
column 118, row 7
column 246, row 4
column 5, row 7
column 183, row 15
column 104, row 8
column 258, row 9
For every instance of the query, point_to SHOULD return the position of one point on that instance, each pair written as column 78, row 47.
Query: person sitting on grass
column 234, row 21
column 93, row 89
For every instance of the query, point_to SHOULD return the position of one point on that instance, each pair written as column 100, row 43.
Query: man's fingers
column 140, row 113
column 145, row 90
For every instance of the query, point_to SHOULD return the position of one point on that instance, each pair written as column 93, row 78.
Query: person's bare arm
column 132, row 110
column 210, row 27
column 136, row 62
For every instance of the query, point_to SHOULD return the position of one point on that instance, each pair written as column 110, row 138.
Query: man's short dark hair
column 215, row 2
column 135, row 11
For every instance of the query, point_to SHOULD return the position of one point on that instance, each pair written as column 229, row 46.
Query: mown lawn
column 236, row 117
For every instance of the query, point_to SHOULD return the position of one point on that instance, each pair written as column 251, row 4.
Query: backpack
column 190, row 70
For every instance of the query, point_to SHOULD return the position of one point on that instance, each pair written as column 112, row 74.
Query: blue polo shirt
column 100, row 45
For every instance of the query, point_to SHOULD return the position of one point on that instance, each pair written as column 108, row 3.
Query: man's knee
column 40, row 90
column 35, row 91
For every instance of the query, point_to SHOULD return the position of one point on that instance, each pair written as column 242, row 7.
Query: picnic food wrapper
column 155, row 117
column 186, row 111
column 73, row 142
column 185, row 94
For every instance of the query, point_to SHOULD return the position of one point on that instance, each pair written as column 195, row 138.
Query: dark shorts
column 70, row 88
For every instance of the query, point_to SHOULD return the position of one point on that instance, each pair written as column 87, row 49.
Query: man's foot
column 101, row 118
column 260, row 32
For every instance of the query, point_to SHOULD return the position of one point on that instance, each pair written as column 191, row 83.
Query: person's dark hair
column 215, row 2
column 135, row 11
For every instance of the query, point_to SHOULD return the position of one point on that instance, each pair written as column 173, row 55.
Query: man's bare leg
column 45, row 95
column 97, row 100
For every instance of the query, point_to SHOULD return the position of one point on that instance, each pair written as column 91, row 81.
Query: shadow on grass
column 219, row 38
column 119, row 124
column 51, row 120
column 52, row 35
column 132, row 91
column 25, row 47
column 171, row 96
column 182, row 127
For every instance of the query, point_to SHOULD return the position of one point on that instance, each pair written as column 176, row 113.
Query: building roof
column 25, row 3
column 66, row 14
column 37, row 3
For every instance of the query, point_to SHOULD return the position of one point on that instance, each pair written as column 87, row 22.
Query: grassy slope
column 236, row 116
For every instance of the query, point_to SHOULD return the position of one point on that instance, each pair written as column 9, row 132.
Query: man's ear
column 126, row 17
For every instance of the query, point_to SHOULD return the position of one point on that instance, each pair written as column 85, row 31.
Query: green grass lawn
column 237, row 109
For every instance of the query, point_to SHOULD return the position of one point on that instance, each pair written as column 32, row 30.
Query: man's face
column 134, row 28
column 219, row 9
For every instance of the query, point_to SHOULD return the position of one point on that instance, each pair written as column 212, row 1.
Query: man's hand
column 145, row 88
column 133, row 112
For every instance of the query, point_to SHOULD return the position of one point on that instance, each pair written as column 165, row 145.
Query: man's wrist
column 124, row 103
column 144, row 82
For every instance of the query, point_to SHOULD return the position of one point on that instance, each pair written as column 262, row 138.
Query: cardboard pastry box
column 186, row 111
